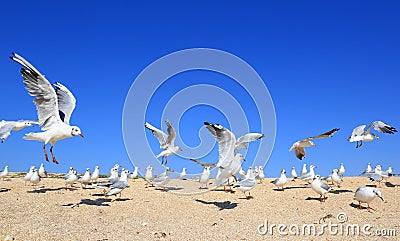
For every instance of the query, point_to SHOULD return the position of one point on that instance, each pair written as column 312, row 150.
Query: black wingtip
column 207, row 123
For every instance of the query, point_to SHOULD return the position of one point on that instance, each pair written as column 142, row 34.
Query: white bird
column 310, row 175
column 304, row 170
column 242, row 141
column 29, row 174
column 70, row 179
column 7, row 126
column 54, row 104
column 4, row 173
column 320, row 187
column 205, row 176
column 247, row 184
column 135, row 174
column 389, row 170
column 261, row 174
column 166, row 141
column 113, row 186
column 249, row 172
column 293, row 173
column 367, row 195
column 359, row 135
column 281, row 181
column 368, row 170
column 299, row 146
column 341, row 170
column 42, row 171
column 85, row 180
column 35, row 178
column 242, row 173
column 161, row 179
column 148, row 176
column 117, row 188
column 96, row 174
column 70, row 171
column 183, row 173
column 336, row 178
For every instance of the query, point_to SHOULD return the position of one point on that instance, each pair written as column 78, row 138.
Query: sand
column 50, row 212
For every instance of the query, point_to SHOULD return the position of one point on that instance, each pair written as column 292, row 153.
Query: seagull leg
column 45, row 154
column 52, row 155
column 359, row 205
column 369, row 208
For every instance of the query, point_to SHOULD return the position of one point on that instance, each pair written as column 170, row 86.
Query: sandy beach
column 50, row 212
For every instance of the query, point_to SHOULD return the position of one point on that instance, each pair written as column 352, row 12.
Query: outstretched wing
column 382, row 127
column 6, row 129
column 324, row 135
column 39, row 87
column 226, row 143
column 160, row 135
column 358, row 131
column 203, row 163
column 242, row 141
column 171, row 133
column 66, row 102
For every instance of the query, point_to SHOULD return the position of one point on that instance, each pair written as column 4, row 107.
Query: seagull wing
column 203, row 163
column 242, row 141
column 160, row 135
column 66, row 102
column 324, row 135
column 358, row 131
column 382, row 127
column 171, row 134
column 325, row 186
column 6, row 129
column 45, row 95
column 226, row 143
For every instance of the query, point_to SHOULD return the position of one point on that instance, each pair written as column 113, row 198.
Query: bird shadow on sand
column 294, row 187
column 313, row 199
column 339, row 191
column 356, row 206
column 220, row 205
column 44, row 190
column 389, row 184
column 5, row 189
column 97, row 202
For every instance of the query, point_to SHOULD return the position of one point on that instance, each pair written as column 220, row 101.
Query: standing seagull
column 368, row 170
column 35, row 178
column 166, row 141
column 54, row 104
column 359, row 135
column 299, row 146
column 247, row 184
column 304, row 170
column 29, row 174
column 320, row 187
column 4, row 173
column 281, row 181
column 7, row 126
column 95, row 175
column 42, row 171
column 205, row 176
column 367, row 195
column 341, row 170
column 293, row 174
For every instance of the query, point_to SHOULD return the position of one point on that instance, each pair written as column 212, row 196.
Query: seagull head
column 75, row 131
column 378, row 193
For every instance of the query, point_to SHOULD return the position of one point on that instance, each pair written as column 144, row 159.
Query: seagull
column 42, row 171
column 117, row 188
column 161, row 179
column 85, row 179
column 70, row 179
column 166, row 141
column 241, row 172
column 359, row 135
column 309, row 176
column 299, row 146
column 114, row 185
column 281, row 181
column 7, row 126
column 367, row 195
column 134, row 174
column 341, row 170
column 368, row 170
column 35, row 178
column 29, row 174
column 148, row 176
column 54, row 104
column 261, row 174
column 183, row 173
column 4, row 173
column 95, row 175
column 249, row 172
column 304, row 170
column 320, row 187
column 336, row 178
column 293, row 174
column 71, row 170
column 205, row 176
column 247, row 184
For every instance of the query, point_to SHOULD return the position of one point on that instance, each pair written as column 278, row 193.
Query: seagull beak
column 82, row 135
column 381, row 198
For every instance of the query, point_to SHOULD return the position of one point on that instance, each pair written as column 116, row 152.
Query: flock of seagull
column 55, row 104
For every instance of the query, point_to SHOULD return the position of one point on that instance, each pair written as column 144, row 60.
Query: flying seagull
column 359, row 134
column 166, row 141
column 54, row 104
column 7, row 126
column 299, row 146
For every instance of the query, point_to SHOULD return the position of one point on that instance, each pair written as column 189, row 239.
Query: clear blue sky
column 325, row 64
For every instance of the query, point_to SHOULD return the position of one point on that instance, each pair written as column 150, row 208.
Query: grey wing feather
column 119, row 184
column 39, row 87
column 160, row 135
column 203, row 163
column 383, row 127
column 226, row 143
column 6, row 129
column 325, row 135
column 171, row 134
column 325, row 186
column 242, row 141
column 66, row 102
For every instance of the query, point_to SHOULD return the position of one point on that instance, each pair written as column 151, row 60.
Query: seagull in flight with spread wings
column 300, row 146
column 359, row 135
column 54, row 104
column 7, row 126
column 166, row 141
